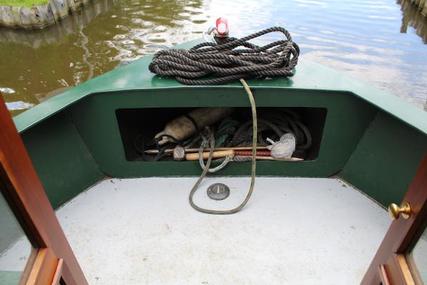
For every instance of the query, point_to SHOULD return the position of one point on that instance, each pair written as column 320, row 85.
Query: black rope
column 229, row 60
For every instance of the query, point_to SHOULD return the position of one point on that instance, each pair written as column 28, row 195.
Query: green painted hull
column 369, row 138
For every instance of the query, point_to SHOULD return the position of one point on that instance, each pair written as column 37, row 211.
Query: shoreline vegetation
column 22, row 3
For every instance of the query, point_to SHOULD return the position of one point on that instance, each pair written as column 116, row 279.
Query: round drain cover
column 218, row 191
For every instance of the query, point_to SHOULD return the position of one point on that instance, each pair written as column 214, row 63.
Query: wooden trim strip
column 58, row 273
column 406, row 272
column 383, row 275
column 43, row 268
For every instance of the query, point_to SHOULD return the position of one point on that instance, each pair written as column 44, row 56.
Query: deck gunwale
column 309, row 76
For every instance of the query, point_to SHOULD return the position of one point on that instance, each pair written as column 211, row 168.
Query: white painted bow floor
column 293, row 231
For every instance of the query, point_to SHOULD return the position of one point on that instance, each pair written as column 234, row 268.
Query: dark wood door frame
column 27, row 199
column 390, row 264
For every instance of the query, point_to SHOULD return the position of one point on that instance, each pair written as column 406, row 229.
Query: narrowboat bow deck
column 294, row 231
column 316, row 221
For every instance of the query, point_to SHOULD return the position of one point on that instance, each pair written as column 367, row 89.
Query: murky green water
column 378, row 41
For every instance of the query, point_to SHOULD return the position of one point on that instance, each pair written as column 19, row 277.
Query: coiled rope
column 232, row 59
column 217, row 63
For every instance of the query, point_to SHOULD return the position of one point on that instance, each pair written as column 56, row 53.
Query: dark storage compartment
column 139, row 126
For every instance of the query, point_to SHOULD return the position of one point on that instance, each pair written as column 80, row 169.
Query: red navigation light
column 222, row 27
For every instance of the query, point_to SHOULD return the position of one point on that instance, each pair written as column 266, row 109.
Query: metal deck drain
column 218, row 191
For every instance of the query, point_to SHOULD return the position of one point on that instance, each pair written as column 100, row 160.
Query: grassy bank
column 26, row 3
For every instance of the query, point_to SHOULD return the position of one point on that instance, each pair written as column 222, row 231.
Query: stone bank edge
column 38, row 16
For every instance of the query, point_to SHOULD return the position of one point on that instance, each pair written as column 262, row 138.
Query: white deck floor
column 293, row 231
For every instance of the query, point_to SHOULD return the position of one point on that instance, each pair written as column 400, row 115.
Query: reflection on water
column 412, row 17
column 57, row 33
column 362, row 38
column 108, row 32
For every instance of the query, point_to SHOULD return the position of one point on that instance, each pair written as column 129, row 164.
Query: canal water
column 379, row 41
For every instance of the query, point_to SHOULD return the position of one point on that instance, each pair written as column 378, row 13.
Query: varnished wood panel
column 27, row 199
column 402, row 235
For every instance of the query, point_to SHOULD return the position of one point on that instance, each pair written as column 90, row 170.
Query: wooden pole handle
column 215, row 154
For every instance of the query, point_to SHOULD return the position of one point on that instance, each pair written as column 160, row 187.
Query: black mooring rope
column 229, row 60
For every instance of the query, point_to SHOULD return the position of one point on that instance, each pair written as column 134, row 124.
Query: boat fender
column 284, row 148
column 185, row 126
